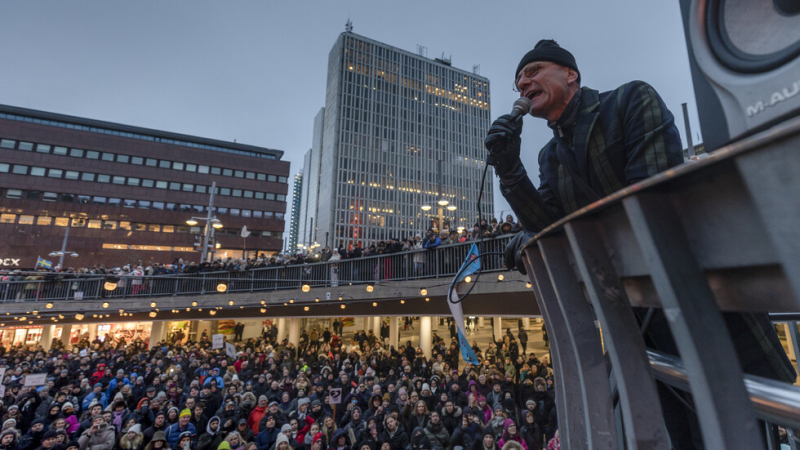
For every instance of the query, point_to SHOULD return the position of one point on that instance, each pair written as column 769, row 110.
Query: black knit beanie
column 549, row 50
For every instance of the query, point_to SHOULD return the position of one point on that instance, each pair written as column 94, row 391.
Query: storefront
column 24, row 335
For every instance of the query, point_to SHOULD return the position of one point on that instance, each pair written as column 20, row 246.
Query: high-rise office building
column 392, row 118
column 297, row 200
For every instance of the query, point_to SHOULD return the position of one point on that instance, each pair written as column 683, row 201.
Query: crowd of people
column 180, row 394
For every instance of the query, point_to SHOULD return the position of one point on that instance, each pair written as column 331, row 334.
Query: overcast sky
column 255, row 71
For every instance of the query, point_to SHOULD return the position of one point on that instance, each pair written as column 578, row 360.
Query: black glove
column 514, row 251
column 503, row 143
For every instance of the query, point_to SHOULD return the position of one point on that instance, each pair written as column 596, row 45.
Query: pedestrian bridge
column 386, row 285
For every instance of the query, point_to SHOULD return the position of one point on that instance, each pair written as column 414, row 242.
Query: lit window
column 110, row 225
column 125, row 226
column 154, row 227
column 96, row 224
column 44, row 220
column 168, row 229
column 62, row 221
column 139, row 227
column 8, row 218
column 79, row 222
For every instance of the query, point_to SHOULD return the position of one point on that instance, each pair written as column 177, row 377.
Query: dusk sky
column 255, row 71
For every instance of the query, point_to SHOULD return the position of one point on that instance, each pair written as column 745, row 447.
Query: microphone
column 521, row 107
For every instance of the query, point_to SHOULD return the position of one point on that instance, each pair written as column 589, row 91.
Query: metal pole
column 688, row 129
column 208, row 218
column 63, row 248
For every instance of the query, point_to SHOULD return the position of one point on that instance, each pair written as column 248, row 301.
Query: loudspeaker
column 745, row 61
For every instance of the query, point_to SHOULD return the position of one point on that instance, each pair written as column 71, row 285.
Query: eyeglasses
column 528, row 72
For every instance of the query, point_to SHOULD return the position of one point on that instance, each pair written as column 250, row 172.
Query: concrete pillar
column 526, row 323
column 425, row 336
column 66, row 332
column 281, row 328
column 46, row 338
column 92, row 331
column 214, row 328
column 394, row 332
column 497, row 330
column 156, row 331
column 294, row 331
column 480, row 322
column 376, row 327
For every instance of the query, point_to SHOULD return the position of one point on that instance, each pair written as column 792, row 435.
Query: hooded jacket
column 211, row 439
column 103, row 439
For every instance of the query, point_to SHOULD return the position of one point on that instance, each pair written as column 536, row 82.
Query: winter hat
column 303, row 401
column 67, row 405
column 286, row 427
column 549, row 50
column 185, row 413
column 51, row 433
column 263, row 397
column 426, row 387
column 282, row 438
column 135, row 429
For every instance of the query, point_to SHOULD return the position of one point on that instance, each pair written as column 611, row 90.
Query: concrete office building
column 126, row 192
column 297, row 188
column 390, row 116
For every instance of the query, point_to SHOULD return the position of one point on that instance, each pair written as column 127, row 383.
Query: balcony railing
column 440, row 262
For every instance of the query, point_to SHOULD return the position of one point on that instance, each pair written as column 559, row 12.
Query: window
column 281, row 179
column 247, row 213
column 25, row 220
column 76, row 153
column 188, row 187
column 33, row 195
column 151, row 162
column 224, row 191
column 102, row 178
column 67, row 198
column 279, row 216
column 227, row 172
column 250, row 175
column 62, row 221
column 86, row 176
column 171, row 207
column 259, row 195
column 202, row 169
column 195, row 230
column 71, row 175
column 144, row 204
column 261, row 177
column 8, row 218
column 99, row 200
column 42, row 148
column 125, row 226
column 139, row 227
column 200, row 189
column 267, row 214
column 234, row 212
column 55, row 173
column 148, row 183
column 237, row 192
column 50, row 197
column 154, row 227
column 270, row 196
column 108, row 157
column 177, row 166
column 128, row 203
column 4, row 168
column 198, row 208
column 91, row 154
column 281, row 198
column 123, row 159
column 133, row 181
column 255, row 233
column 248, row 194
column 174, row 186
column 161, row 184
column 118, row 180
column 239, row 174
column 114, row 201
column 7, row 143
column 84, row 199
column 187, row 208
column 60, row 150
column 272, row 178
column 216, row 171
column 110, row 225
column 258, row 214
column 78, row 222
column 164, row 164
column 44, row 220
column 266, row 233
column 27, row 146
column 181, row 229
column 168, row 229
column 95, row 224
column 138, row 160
column 191, row 167
column 222, row 210
column 158, row 205
column 38, row 171
column 20, row 169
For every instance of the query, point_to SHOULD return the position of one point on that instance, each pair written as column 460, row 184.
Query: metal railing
column 440, row 262
column 714, row 236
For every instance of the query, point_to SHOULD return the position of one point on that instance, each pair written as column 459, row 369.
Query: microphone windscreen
column 523, row 105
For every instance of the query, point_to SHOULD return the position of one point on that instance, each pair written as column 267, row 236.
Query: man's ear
column 572, row 76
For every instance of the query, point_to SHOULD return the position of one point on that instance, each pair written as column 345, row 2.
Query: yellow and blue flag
column 471, row 265
column 41, row 262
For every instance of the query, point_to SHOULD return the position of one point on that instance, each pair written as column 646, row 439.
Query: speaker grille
column 752, row 36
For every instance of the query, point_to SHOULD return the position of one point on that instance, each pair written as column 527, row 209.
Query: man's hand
column 513, row 249
column 503, row 141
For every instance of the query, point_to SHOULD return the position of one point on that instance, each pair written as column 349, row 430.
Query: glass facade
column 297, row 200
column 390, row 116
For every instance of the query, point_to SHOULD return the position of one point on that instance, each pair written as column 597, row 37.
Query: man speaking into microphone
column 601, row 143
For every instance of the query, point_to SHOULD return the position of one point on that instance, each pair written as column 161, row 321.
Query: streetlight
column 211, row 222
column 64, row 250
